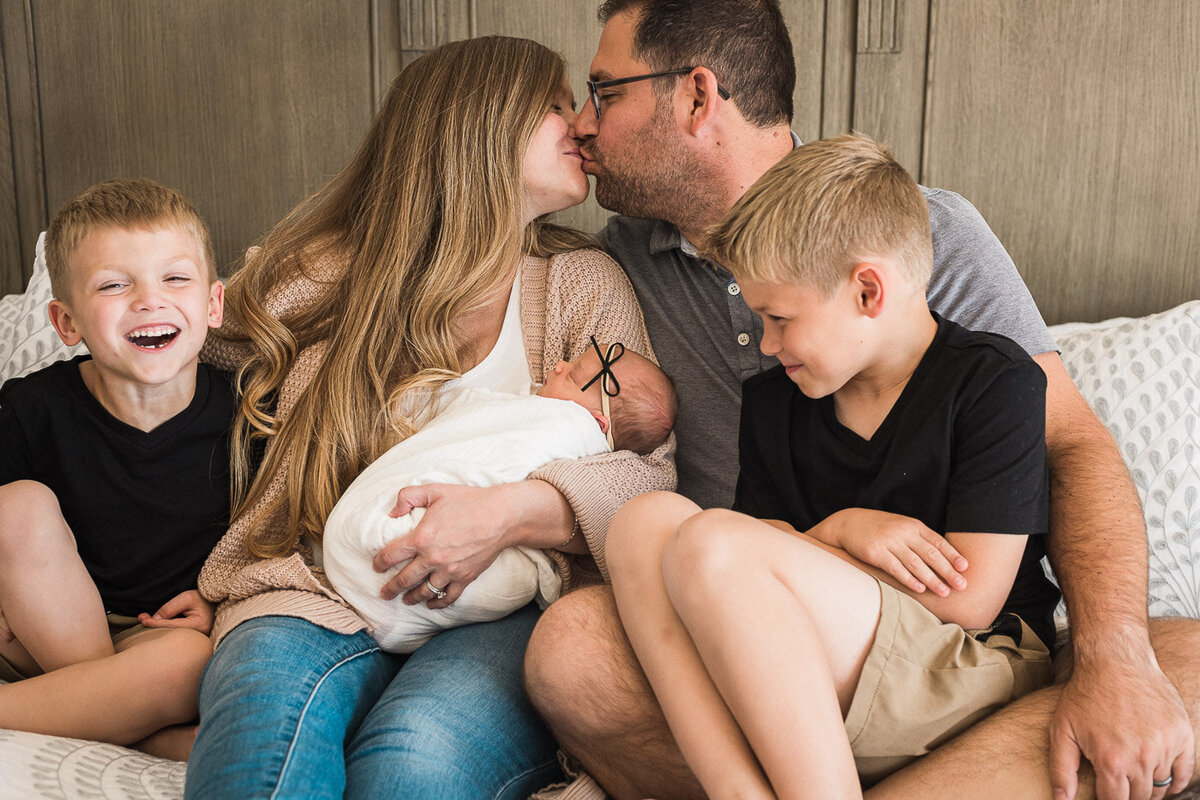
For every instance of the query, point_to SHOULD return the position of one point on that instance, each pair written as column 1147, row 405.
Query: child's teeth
column 161, row 330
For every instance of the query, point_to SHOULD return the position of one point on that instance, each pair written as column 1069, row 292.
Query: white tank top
column 506, row 367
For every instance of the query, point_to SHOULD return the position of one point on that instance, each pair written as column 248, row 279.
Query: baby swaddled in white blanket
column 486, row 438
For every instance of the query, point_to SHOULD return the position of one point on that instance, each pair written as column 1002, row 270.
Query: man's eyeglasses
column 595, row 86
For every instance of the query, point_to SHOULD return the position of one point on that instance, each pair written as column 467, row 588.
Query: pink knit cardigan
column 563, row 300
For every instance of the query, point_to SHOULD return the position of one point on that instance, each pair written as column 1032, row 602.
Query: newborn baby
column 601, row 401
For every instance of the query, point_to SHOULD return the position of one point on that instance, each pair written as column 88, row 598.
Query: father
column 673, row 152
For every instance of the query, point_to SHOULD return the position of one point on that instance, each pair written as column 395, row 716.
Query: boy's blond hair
column 824, row 208
column 133, row 203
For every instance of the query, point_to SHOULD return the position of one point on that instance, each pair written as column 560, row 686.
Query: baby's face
column 566, row 380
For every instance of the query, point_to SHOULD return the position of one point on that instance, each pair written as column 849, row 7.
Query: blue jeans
column 291, row 710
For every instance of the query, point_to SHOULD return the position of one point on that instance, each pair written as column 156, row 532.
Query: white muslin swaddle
column 479, row 438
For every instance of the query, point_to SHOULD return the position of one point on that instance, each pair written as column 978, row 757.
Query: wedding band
column 1165, row 782
column 438, row 593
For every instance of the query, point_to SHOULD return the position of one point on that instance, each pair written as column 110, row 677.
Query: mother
column 425, row 259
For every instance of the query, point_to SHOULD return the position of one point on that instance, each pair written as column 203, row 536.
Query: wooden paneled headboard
column 1074, row 125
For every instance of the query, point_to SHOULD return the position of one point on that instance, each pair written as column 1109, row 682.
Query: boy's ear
column 870, row 288
column 64, row 323
column 601, row 420
column 216, row 304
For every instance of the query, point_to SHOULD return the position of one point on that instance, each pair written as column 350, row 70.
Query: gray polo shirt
column 706, row 337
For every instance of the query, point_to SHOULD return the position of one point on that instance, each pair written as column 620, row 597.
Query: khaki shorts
column 119, row 628
column 925, row 681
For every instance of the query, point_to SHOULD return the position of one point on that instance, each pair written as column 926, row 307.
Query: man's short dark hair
column 744, row 42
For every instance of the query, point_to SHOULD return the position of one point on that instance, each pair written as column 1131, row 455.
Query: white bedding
column 480, row 438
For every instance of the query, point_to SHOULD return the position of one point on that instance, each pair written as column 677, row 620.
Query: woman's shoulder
column 586, row 267
column 584, row 257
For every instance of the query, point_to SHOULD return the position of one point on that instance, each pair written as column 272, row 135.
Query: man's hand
column 1130, row 724
column 184, row 610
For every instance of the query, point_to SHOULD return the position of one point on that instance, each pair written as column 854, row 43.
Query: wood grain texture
column 12, row 268
column 23, row 222
column 243, row 105
column 1074, row 126
column 837, row 98
column 889, row 75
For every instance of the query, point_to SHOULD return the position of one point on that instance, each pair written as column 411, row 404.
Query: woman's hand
column 463, row 530
column 901, row 546
column 184, row 610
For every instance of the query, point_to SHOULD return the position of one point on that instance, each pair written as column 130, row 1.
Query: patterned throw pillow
column 50, row 767
column 28, row 341
column 1142, row 378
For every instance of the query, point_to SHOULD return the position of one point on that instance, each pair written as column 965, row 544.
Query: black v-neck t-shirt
column 146, row 508
column 963, row 449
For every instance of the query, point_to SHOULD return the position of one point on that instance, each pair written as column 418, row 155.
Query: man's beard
column 650, row 185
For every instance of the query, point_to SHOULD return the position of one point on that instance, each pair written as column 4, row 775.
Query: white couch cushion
column 1142, row 378
column 28, row 341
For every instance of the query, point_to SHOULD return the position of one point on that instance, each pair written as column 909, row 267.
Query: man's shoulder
column 621, row 229
column 631, row 239
column 945, row 204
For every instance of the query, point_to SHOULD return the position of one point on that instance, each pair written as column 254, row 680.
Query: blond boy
column 792, row 642
column 114, row 479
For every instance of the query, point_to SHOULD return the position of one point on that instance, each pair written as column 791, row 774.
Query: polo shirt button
column 734, row 289
column 743, row 339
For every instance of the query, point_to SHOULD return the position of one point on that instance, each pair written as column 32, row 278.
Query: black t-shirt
column 145, row 508
column 963, row 449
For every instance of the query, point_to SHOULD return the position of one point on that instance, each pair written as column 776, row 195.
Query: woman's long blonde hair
column 427, row 219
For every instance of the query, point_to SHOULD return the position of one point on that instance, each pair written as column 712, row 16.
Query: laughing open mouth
column 152, row 338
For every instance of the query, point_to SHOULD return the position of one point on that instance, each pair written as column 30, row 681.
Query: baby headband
column 609, row 387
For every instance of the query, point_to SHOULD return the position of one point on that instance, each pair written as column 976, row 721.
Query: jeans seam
column 287, row 759
column 523, row 776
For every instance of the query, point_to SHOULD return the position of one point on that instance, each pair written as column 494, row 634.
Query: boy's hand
column 6, row 634
column 901, row 546
column 184, row 610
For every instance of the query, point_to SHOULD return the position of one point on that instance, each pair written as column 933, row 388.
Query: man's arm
column 1097, row 547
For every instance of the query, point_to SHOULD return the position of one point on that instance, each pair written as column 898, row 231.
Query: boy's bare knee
column 639, row 530
column 174, row 660
column 27, row 500
column 28, row 511
column 706, row 550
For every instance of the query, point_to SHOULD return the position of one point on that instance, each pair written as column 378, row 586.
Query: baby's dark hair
column 643, row 414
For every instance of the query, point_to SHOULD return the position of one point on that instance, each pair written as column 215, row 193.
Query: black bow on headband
column 608, row 381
